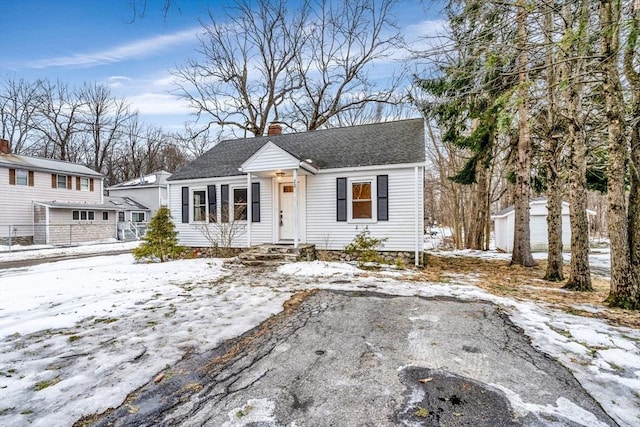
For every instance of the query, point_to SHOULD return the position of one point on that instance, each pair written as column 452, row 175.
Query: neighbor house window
column 105, row 216
column 60, row 181
column 84, row 184
column 137, row 216
column 22, row 177
column 199, row 198
column 240, row 204
column 120, row 216
column 361, row 200
column 83, row 215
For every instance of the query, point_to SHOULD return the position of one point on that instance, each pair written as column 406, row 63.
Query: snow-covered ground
column 77, row 336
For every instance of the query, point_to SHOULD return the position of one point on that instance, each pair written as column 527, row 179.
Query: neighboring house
column 132, row 216
column 48, row 201
column 320, row 187
column 504, row 226
column 149, row 190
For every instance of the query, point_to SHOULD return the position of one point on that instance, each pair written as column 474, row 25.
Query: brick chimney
column 4, row 147
column 275, row 129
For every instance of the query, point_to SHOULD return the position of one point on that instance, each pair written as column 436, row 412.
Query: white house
column 50, row 201
column 504, row 226
column 149, row 190
column 319, row 187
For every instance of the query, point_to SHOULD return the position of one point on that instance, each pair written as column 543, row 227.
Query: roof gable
column 269, row 157
column 398, row 142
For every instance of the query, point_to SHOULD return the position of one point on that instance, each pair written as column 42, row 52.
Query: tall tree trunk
column 522, row 233
column 631, row 56
column 623, row 290
column 555, row 262
column 580, row 276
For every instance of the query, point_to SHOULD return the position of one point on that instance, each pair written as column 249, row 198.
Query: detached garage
column 505, row 219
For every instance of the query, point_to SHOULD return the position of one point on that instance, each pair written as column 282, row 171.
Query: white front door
column 286, row 211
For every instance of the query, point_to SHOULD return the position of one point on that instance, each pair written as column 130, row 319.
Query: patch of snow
column 317, row 269
column 255, row 411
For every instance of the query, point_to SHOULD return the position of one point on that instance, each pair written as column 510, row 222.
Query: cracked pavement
column 357, row 358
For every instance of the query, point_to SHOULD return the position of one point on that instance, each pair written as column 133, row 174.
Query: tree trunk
column 623, row 290
column 555, row 261
column 522, row 233
column 631, row 56
column 580, row 276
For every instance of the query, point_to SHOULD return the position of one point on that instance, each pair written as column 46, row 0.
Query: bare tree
column 247, row 65
column 343, row 38
column 58, row 121
column 104, row 119
column 18, row 103
column 268, row 62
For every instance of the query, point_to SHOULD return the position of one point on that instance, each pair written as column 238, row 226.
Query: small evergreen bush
column 365, row 248
column 161, row 241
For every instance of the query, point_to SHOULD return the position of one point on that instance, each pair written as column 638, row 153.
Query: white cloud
column 165, row 81
column 158, row 103
column 133, row 50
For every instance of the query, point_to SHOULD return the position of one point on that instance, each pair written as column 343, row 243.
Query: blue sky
column 80, row 41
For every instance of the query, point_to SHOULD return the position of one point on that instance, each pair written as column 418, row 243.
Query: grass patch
column 514, row 281
column 5, row 411
column 41, row 385
column 105, row 320
column 27, row 412
column 421, row 412
column 74, row 338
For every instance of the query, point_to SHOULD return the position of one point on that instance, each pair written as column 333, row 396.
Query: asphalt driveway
column 336, row 358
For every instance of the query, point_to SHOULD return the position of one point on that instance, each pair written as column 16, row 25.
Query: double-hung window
column 361, row 200
column 199, row 198
column 84, row 184
column 61, row 181
column 240, row 204
column 22, row 177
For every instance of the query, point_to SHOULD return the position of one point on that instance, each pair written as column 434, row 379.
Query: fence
column 13, row 235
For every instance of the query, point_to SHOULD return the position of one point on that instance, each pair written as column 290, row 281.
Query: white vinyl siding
column 404, row 204
column 317, row 202
column 151, row 197
column 270, row 157
column 190, row 235
column 17, row 201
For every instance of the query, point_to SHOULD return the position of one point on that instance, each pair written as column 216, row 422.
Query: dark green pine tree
column 161, row 241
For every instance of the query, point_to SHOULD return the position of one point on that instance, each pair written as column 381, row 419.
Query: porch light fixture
column 279, row 174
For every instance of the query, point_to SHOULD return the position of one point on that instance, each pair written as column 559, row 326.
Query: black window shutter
column 185, row 204
column 224, row 203
column 383, row 197
column 255, row 202
column 211, row 196
column 341, row 199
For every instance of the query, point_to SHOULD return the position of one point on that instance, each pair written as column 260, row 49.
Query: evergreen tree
column 161, row 241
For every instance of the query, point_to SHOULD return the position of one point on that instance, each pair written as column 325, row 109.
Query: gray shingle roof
column 45, row 165
column 365, row 145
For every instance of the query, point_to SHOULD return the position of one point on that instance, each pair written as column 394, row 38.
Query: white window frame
column 22, row 174
column 83, row 215
column 232, row 203
column 192, row 205
column 58, row 176
column 374, row 197
column 84, row 184
column 144, row 215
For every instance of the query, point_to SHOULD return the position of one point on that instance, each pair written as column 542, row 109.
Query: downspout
column 46, row 227
column 249, row 210
column 295, row 208
column 417, row 219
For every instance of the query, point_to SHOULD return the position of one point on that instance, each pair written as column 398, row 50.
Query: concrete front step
column 276, row 254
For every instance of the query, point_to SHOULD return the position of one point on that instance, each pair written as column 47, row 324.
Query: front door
column 286, row 211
